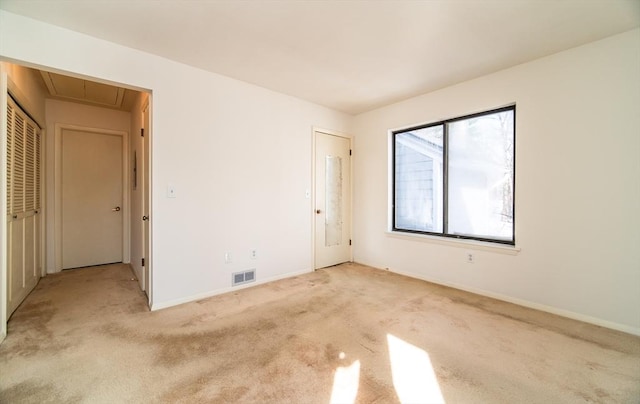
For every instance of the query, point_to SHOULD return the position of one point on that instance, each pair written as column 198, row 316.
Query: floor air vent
column 239, row 278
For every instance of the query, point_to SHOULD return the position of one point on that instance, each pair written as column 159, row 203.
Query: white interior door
column 332, row 200
column 92, row 200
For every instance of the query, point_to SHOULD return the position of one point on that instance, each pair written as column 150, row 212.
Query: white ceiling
column 352, row 56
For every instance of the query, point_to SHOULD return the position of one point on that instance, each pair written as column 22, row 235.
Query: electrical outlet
column 171, row 191
column 470, row 258
column 253, row 254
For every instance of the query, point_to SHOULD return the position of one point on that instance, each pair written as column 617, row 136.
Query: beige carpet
column 86, row 336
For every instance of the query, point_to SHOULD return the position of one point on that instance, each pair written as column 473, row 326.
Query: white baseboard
column 521, row 302
column 170, row 303
column 525, row 303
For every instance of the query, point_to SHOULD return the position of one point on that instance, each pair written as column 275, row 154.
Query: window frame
column 445, row 178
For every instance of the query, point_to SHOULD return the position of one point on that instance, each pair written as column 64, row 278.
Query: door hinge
column 350, row 152
column 143, row 262
column 142, row 132
column 349, row 241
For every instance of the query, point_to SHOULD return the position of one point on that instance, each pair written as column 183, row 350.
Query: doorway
column 332, row 178
column 27, row 85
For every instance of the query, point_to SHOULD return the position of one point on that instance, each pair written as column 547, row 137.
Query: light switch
column 171, row 191
column 307, row 194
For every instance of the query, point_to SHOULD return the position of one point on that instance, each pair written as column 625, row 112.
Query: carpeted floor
column 348, row 331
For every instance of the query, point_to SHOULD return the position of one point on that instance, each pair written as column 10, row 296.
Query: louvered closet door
column 23, row 205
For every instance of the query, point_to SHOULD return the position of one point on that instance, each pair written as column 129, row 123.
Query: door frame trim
column 4, row 276
column 315, row 131
column 57, row 189
column 146, row 184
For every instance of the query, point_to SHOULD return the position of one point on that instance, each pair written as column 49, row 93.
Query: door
column 332, row 200
column 23, row 205
column 145, row 201
column 92, row 215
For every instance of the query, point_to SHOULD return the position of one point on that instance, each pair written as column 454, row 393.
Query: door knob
column 116, row 209
column 145, row 218
column 318, row 211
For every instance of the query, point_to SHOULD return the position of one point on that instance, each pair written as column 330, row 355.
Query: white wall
column 577, row 185
column 70, row 113
column 26, row 88
column 238, row 155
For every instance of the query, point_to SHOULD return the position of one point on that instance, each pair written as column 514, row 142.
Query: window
column 456, row 178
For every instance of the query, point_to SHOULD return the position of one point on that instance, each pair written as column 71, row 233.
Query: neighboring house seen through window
column 456, row 178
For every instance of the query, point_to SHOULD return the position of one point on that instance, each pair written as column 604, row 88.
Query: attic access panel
column 83, row 90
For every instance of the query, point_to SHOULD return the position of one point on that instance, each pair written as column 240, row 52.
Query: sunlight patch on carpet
column 413, row 376
column 345, row 383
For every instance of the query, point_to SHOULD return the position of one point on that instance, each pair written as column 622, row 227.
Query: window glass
column 480, row 173
column 333, row 201
column 461, row 170
column 418, row 179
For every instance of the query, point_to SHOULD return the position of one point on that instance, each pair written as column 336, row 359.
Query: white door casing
column 4, row 275
column 332, row 183
column 91, row 191
column 145, row 178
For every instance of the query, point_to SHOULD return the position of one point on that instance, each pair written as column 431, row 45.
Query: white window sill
column 459, row 243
